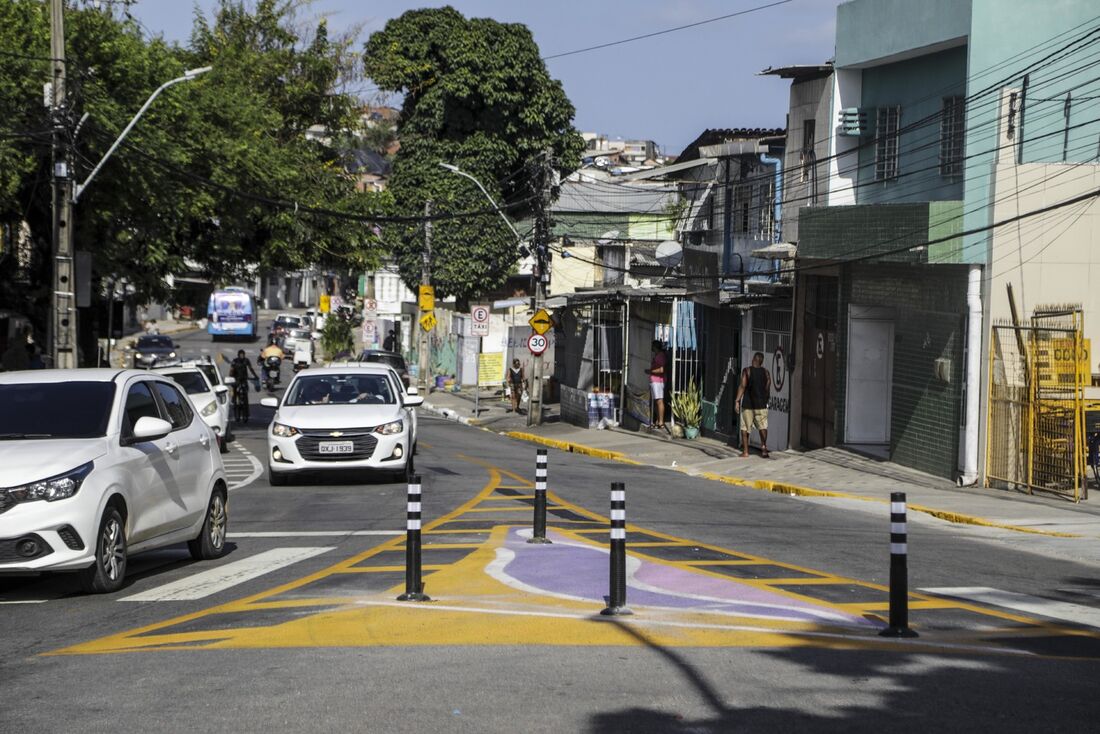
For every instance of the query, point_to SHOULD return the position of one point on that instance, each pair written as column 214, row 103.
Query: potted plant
column 687, row 405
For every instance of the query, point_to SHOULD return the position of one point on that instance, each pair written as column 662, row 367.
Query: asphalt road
column 512, row 639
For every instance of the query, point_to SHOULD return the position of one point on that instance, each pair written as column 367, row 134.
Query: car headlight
column 55, row 488
column 211, row 408
column 138, row 355
column 171, row 355
column 388, row 429
column 283, row 431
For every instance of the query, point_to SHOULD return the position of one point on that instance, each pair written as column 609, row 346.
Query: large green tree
column 198, row 180
column 477, row 95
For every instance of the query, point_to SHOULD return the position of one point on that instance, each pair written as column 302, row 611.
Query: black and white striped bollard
column 899, row 570
column 538, row 535
column 414, row 586
column 616, row 600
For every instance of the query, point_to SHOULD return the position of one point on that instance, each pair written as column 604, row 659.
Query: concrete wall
column 809, row 100
column 1006, row 39
column 918, row 87
column 1052, row 258
column 868, row 31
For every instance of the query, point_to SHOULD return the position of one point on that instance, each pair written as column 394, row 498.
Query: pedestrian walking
column 752, row 403
column 656, row 374
column 390, row 342
column 516, row 380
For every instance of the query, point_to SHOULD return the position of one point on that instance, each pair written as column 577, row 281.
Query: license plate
column 273, row 373
column 336, row 447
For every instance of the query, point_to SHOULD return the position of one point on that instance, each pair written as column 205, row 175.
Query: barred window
column 886, row 143
column 952, row 136
column 809, row 132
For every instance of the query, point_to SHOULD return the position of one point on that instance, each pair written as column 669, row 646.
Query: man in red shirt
column 656, row 374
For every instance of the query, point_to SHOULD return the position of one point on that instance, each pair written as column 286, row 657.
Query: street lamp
column 455, row 169
column 187, row 76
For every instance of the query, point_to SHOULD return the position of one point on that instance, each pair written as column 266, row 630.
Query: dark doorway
column 819, row 361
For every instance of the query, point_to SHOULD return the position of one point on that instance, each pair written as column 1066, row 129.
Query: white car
column 99, row 464
column 209, row 400
column 298, row 340
column 339, row 418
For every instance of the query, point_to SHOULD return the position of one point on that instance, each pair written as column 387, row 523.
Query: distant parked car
column 392, row 359
column 99, row 464
column 154, row 350
column 298, row 340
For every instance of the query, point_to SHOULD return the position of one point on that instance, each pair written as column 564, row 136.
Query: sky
column 668, row 88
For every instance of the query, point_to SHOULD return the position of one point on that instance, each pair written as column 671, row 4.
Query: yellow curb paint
column 574, row 448
column 950, row 516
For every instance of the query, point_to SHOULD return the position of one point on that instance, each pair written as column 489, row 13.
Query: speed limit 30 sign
column 537, row 343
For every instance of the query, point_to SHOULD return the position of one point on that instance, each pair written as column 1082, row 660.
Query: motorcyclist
column 271, row 350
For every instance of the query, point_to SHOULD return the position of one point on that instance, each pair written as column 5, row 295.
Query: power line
column 663, row 32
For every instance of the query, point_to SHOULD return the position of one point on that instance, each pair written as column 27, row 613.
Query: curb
column 958, row 518
column 765, row 485
column 573, row 448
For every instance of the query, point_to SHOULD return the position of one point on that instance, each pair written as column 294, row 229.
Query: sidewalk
column 832, row 476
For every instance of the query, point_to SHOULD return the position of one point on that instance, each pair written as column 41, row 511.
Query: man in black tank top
column 752, row 403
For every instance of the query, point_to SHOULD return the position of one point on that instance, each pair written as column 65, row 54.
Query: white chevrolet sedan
column 343, row 417
column 99, row 464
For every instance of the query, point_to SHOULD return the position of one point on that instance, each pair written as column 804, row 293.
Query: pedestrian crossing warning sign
column 427, row 321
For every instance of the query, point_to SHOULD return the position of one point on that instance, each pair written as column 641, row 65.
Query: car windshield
column 341, row 389
column 154, row 342
column 55, row 410
column 299, row 334
column 211, row 373
column 192, row 382
column 288, row 321
column 393, row 360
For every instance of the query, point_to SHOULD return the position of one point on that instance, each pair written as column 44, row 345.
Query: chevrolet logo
column 336, row 434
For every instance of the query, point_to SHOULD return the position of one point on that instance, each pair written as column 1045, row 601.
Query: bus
column 232, row 314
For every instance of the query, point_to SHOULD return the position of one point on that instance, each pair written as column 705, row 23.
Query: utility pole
column 425, row 279
column 542, row 277
column 62, row 324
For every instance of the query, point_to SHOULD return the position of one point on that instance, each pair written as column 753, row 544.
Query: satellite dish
column 669, row 253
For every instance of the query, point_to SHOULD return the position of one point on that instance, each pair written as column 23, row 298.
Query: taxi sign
column 541, row 321
column 427, row 321
column 427, row 298
column 479, row 318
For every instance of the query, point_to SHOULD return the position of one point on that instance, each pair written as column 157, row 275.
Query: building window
column 809, row 134
column 886, row 143
column 742, row 205
column 952, row 136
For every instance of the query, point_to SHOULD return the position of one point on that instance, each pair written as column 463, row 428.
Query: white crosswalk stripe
column 206, row 583
column 1065, row 611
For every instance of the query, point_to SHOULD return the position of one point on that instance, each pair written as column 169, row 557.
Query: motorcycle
column 271, row 372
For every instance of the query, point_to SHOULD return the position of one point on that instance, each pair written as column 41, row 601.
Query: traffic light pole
column 62, row 323
column 425, row 279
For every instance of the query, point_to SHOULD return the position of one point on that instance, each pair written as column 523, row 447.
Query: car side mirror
column 175, row 345
column 414, row 400
column 269, row 402
column 221, row 389
column 149, row 428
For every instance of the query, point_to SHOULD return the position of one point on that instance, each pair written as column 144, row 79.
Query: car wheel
column 108, row 571
column 211, row 541
column 275, row 479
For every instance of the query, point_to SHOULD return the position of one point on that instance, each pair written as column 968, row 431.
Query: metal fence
column 1037, row 375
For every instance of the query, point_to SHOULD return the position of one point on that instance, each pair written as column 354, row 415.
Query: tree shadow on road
column 808, row 688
